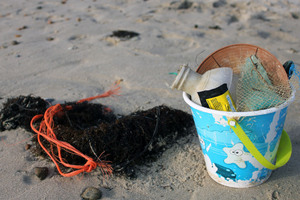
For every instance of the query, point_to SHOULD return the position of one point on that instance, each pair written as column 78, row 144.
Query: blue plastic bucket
column 227, row 160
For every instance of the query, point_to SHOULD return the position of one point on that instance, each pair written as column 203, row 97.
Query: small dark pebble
column 18, row 56
column 232, row 19
column 39, row 7
column 219, row 3
column 49, row 38
column 15, row 42
column 124, row 35
column 295, row 15
column 185, row 5
column 27, row 146
column 41, row 172
column 216, row 27
column 263, row 34
column 91, row 193
column 195, row 26
column 22, row 28
column 275, row 195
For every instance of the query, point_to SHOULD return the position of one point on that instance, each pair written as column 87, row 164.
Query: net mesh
column 258, row 89
column 260, row 80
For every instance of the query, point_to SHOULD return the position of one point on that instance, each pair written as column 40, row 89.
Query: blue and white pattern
column 227, row 160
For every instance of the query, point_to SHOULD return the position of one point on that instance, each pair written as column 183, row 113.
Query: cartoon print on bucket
column 227, row 160
column 237, row 155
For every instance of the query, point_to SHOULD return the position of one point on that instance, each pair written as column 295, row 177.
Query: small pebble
column 63, row 1
column 219, row 3
column 232, row 19
column 50, row 21
column 185, row 5
column 275, row 195
column 216, row 27
column 295, row 15
column 27, row 146
column 22, row 28
column 17, row 36
column 91, row 193
column 49, row 38
column 15, row 42
column 41, row 172
column 78, row 19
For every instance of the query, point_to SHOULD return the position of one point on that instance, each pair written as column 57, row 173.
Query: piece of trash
column 256, row 90
column 209, row 89
column 224, row 136
column 47, row 136
column 288, row 67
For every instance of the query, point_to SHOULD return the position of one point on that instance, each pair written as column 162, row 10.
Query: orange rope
column 46, row 131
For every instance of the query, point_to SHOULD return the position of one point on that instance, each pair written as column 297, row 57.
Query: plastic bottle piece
column 194, row 83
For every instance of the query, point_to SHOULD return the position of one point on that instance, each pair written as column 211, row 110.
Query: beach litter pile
column 239, row 97
column 79, row 136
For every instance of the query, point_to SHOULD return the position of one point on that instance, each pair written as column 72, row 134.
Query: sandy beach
column 67, row 50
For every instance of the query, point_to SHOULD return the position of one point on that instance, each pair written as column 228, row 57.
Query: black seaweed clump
column 127, row 141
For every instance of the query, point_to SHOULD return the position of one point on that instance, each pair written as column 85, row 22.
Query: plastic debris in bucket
column 240, row 148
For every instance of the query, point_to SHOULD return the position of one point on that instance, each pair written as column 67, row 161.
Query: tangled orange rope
column 46, row 131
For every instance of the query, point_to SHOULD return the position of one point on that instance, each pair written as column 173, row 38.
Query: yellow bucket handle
column 284, row 151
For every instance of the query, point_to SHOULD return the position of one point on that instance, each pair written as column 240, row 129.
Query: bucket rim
column 240, row 114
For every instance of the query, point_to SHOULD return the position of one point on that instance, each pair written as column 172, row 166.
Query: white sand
column 82, row 61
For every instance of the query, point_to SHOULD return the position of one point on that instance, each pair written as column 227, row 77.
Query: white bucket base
column 240, row 184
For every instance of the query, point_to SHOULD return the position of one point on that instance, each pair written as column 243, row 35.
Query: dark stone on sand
column 91, row 193
column 14, row 42
column 260, row 16
column 263, row 34
column 124, row 35
column 275, row 195
column 49, row 38
column 216, row 27
column 232, row 19
column 22, row 28
column 219, row 3
column 295, row 15
column 185, row 5
column 41, row 172
column 27, row 146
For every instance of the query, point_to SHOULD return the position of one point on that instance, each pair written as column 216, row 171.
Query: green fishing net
column 257, row 89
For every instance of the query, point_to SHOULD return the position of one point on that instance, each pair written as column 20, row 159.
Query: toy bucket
column 240, row 148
